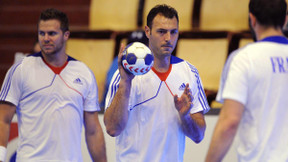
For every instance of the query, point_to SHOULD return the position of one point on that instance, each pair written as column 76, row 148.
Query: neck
column 268, row 32
column 55, row 60
column 162, row 64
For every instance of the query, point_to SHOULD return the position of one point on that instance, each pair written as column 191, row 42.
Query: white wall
column 193, row 152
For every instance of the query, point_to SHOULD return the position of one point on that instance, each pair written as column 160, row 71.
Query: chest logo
column 78, row 81
column 182, row 87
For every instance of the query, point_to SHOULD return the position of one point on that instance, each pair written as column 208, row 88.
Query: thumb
column 175, row 98
column 120, row 54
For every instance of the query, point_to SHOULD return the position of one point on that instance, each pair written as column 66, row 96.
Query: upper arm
column 231, row 112
column 91, row 122
column 199, row 119
column 7, row 111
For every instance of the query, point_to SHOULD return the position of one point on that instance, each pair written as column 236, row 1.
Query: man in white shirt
column 144, row 111
column 254, row 88
column 54, row 95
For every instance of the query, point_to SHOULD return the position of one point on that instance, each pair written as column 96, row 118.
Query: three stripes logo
column 78, row 81
column 182, row 87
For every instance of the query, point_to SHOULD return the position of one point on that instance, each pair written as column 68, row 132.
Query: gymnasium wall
column 209, row 31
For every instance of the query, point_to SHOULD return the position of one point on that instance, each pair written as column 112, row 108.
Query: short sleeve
column 11, row 87
column 91, row 101
column 224, row 74
column 113, row 87
column 236, row 86
column 200, row 100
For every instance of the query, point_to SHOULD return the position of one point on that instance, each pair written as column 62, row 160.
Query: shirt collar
column 276, row 39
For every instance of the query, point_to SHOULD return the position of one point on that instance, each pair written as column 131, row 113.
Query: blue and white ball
column 137, row 58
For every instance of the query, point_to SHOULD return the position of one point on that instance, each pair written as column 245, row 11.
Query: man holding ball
column 151, row 114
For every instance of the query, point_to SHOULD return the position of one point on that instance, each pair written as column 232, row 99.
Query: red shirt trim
column 162, row 76
column 56, row 70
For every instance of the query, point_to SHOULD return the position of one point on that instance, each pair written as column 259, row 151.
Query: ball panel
column 149, row 59
column 131, row 58
column 141, row 53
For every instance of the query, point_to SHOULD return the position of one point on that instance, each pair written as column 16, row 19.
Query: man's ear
column 66, row 35
column 252, row 19
column 147, row 32
column 286, row 22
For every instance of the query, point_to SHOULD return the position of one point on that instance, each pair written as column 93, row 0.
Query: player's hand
column 184, row 103
column 125, row 75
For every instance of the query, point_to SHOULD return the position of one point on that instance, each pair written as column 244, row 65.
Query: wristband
column 3, row 151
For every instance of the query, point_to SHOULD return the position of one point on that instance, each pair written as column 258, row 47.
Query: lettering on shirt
column 279, row 64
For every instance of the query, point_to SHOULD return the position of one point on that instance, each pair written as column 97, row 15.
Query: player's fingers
column 176, row 101
column 187, row 89
column 191, row 105
column 175, row 97
column 120, row 54
column 192, row 98
column 122, row 47
column 188, row 92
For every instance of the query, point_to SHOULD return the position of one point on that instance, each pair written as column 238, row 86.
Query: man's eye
column 174, row 31
column 41, row 33
column 52, row 33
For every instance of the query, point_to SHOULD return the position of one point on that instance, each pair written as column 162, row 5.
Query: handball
column 137, row 58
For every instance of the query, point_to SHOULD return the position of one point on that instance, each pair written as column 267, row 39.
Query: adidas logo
column 78, row 81
column 182, row 87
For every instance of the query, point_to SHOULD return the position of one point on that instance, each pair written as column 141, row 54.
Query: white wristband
column 3, row 151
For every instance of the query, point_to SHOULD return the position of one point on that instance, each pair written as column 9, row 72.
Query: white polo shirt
column 50, row 108
column 257, row 77
column 153, row 131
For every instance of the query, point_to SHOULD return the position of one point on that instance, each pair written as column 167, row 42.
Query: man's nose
column 46, row 37
column 167, row 36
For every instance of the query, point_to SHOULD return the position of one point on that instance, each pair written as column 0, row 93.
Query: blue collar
column 39, row 54
column 276, row 39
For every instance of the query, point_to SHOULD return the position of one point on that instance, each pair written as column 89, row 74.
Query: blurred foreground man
column 254, row 89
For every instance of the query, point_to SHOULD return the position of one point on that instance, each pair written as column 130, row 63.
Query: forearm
column 116, row 115
column 194, row 126
column 221, row 141
column 96, row 146
column 4, row 135
column 7, row 111
column 225, row 130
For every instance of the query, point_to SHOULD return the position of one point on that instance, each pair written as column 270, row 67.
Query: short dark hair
column 165, row 10
column 52, row 13
column 269, row 12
